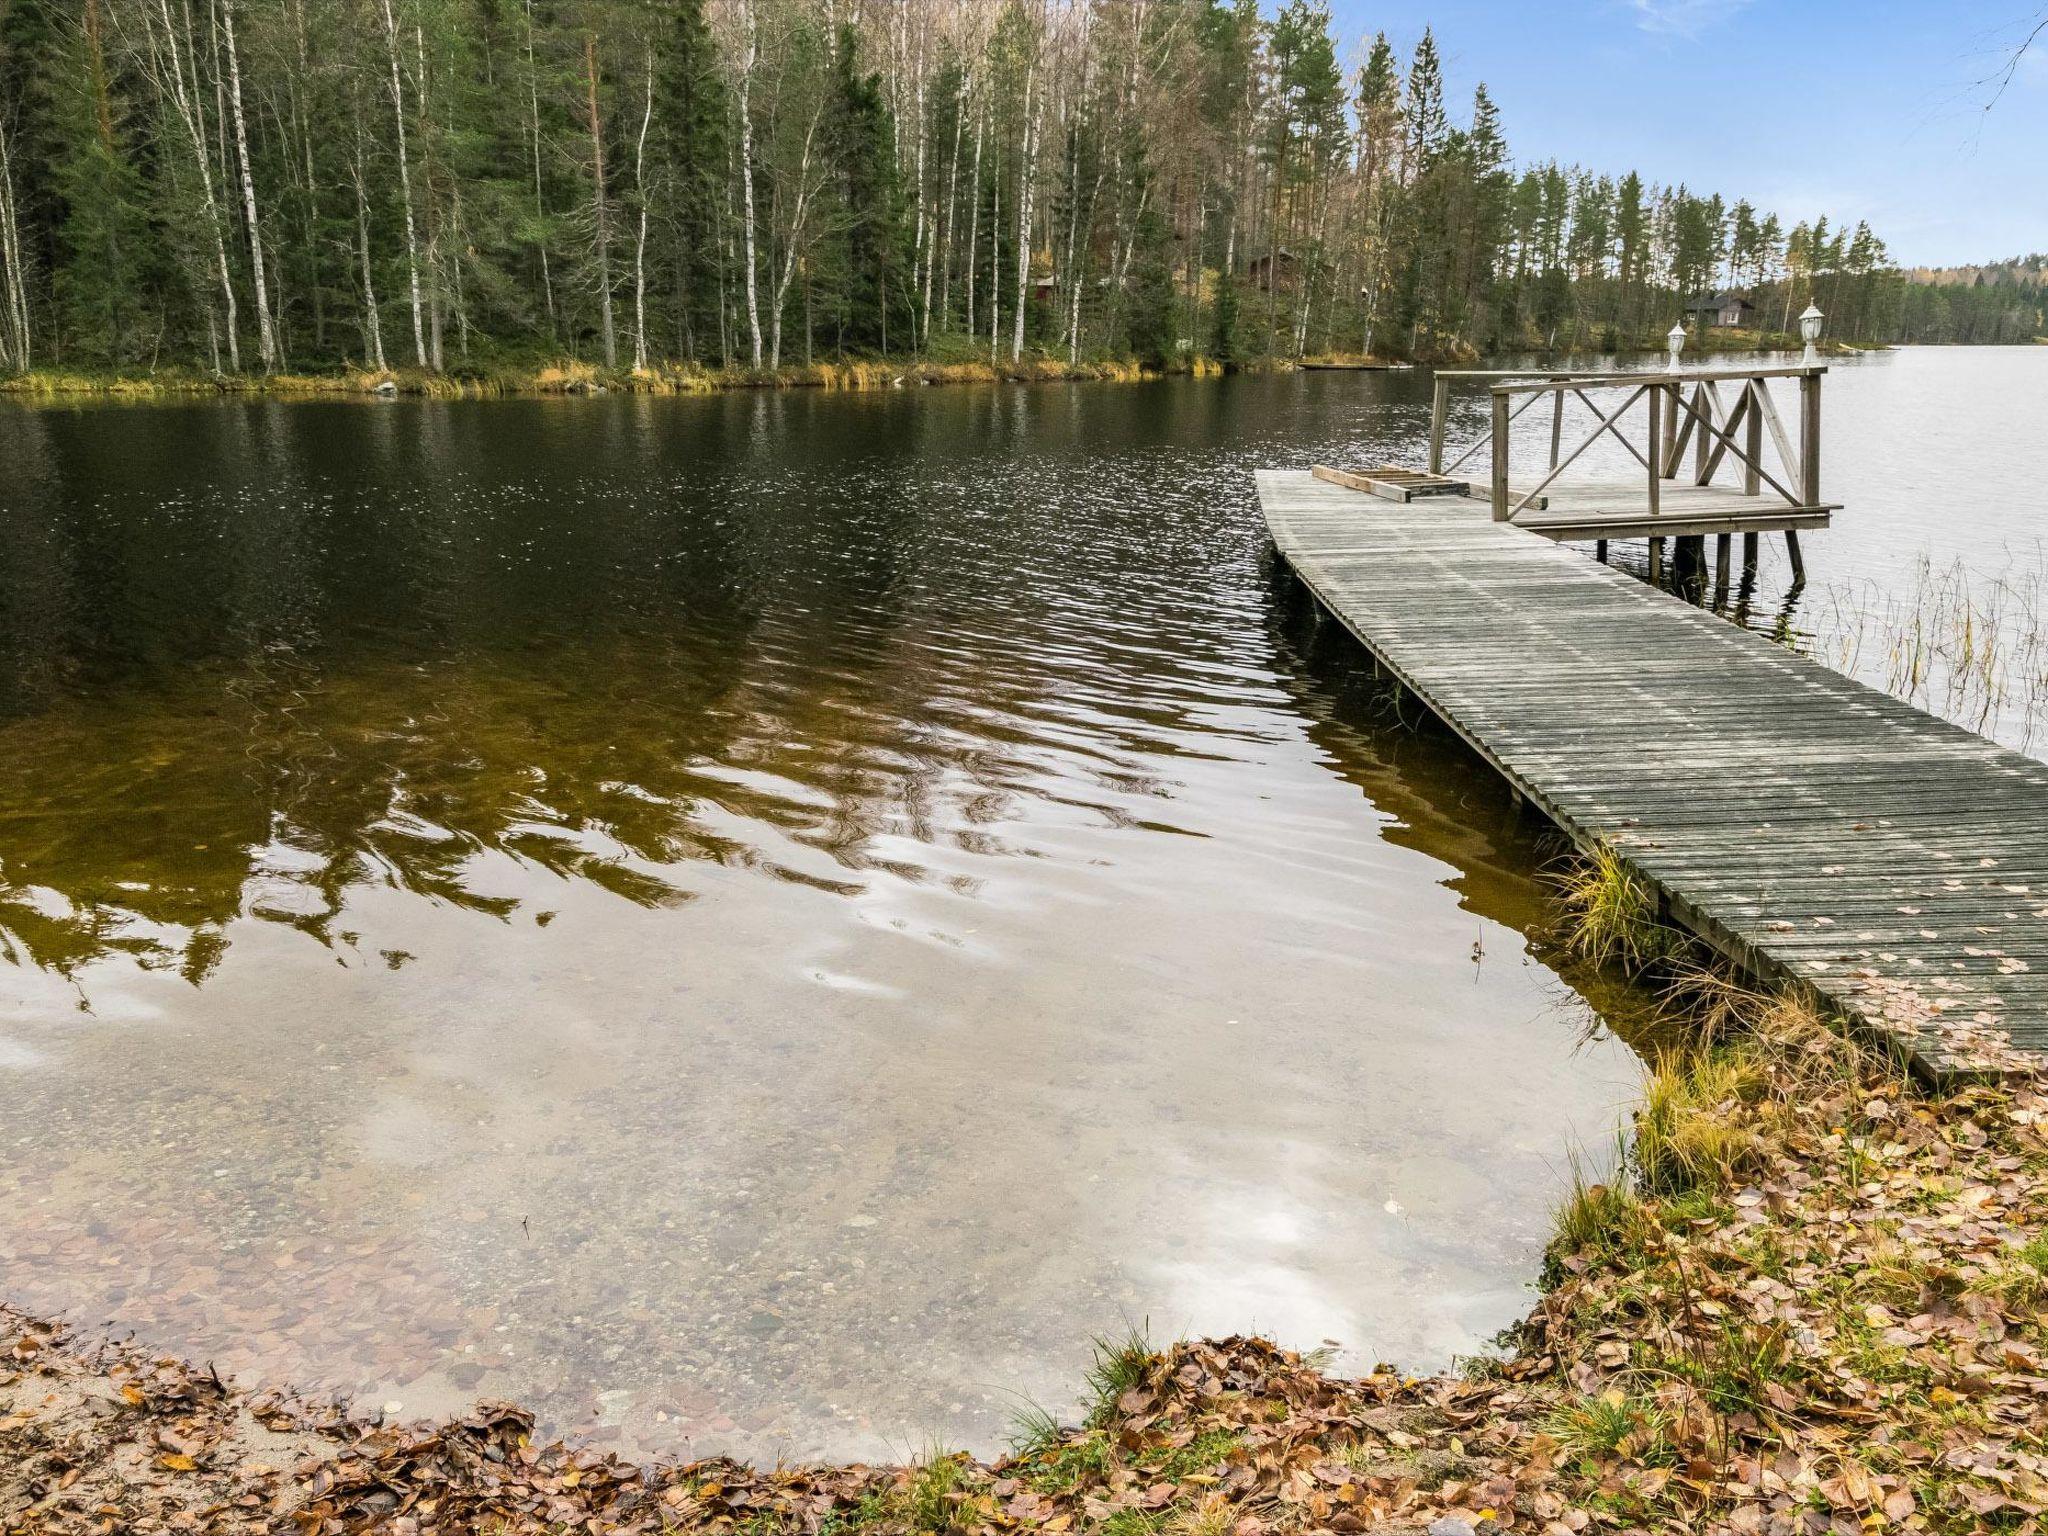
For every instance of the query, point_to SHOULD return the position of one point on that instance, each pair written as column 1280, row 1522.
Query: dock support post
column 1600, row 550
column 1656, row 562
column 1703, row 413
column 1722, row 542
column 1809, row 436
column 1798, row 562
column 1439, row 408
column 1752, row 480
column 1749, row 554
column 1500, row 457
column 1656, row 454
column 1668, row 397
column 1689, row 564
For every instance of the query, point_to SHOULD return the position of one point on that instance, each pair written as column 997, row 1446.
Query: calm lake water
column 758, row 924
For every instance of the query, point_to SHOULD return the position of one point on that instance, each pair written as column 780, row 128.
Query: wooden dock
column 1725, row 416
column 1814, row 829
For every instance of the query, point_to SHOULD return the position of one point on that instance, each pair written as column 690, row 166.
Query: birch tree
column 266, row 335
column 412, row 241
column 641, row 195
column 601, row 211
column 749, row 56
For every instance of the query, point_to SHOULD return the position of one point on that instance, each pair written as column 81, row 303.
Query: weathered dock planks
column 1815, row 829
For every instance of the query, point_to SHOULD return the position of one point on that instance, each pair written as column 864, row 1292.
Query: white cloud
column 1683, row 18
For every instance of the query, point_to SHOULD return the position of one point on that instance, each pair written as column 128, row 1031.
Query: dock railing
column 1688, row 407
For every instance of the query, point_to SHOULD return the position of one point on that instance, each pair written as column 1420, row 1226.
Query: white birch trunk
column 373, row 321
column 749, row 51
column 185, row 102
column 14, row 337
column 995, row 264
column 926, row 231
column 974, row 216
column 1024, row 180
column 793, row 244
column 952, row 217
column 601, row 206
column 266, row 337
column 412, row 242
column 547, row 280
column 640, row 245
column 437, row 284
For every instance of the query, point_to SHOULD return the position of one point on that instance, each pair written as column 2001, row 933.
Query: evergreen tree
column 874, row 301
column 1223, row 320
column 101, row 229
column 1428, row 126
column 693, row 110
column 1149, row 323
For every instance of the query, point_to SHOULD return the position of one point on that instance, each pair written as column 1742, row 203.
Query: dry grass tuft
column 1610, row 914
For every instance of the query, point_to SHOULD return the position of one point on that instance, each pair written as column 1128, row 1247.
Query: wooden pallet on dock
column 1393, row 483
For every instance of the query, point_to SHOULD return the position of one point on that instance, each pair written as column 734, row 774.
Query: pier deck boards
column 1815, row 829
column 1620, row 511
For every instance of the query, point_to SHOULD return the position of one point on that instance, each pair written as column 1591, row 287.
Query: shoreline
column 1813, row 1299
column 571, row 377
column 565, row 378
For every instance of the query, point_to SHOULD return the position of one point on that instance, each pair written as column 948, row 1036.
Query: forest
column 452, row 186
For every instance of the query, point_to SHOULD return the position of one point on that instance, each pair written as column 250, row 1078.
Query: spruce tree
column 101, row 230
column 874, row 302
column 1428, row 126
column 693, row 113
column 1149, row 308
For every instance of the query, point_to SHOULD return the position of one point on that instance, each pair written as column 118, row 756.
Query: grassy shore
column 953, row 364
column 1812, row 1299
column 564, row 377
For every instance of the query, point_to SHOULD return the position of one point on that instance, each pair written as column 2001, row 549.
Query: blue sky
column 1855, row 108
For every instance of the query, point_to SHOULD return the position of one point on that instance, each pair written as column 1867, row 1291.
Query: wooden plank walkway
column 1621, row 512
column 1815, row 829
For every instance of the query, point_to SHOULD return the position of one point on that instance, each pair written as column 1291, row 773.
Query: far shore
column 563, row 376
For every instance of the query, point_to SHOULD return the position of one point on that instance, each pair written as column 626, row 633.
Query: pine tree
column 101, row 231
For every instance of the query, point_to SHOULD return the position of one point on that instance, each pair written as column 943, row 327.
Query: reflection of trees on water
column 266, row 656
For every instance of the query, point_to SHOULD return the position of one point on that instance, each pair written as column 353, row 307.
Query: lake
column 760, row 923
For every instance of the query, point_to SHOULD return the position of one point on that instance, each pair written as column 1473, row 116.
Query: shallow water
column 751, row 924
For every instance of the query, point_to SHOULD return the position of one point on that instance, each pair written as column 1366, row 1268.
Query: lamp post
column 1675, row 338
column 1809, row 332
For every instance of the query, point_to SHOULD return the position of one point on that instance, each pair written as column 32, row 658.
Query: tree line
column 1995, row 304
column 270, row 185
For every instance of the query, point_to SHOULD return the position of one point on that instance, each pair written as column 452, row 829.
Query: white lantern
column 1809, row 332
column 1675, row 337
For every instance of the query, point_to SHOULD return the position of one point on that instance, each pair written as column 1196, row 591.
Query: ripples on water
column 754, row 923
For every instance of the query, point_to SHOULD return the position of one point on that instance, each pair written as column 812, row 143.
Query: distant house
column 1721, row 309
column 1045, row 286
column 1281, row 266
